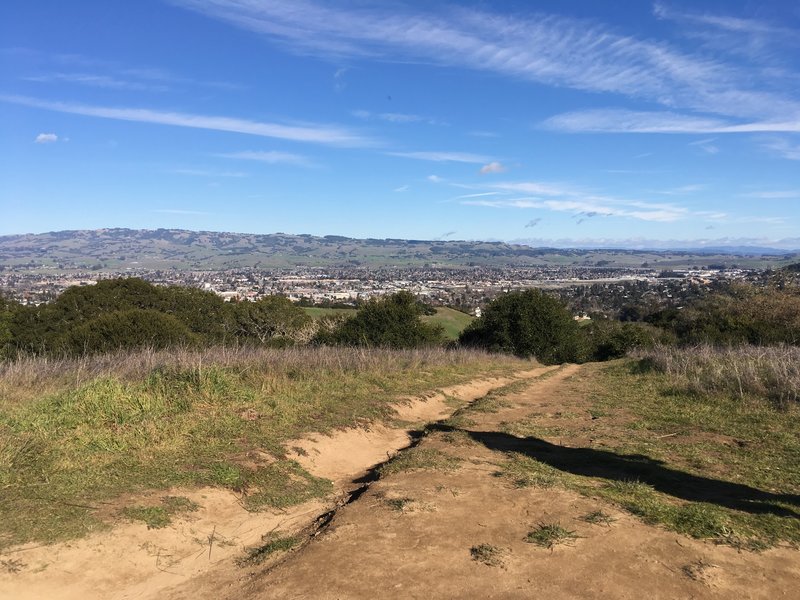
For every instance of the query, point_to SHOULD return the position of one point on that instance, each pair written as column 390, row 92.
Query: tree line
column 130, row 313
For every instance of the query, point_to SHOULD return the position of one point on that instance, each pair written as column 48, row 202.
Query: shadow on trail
column 626, row 467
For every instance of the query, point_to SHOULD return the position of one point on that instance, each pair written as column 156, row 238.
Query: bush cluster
column 131, row 313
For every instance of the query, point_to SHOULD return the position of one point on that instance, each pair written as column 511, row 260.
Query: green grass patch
column 598, row 517
column 398, row 504
column 524, row 471
column 156, row 517
column 316, row 312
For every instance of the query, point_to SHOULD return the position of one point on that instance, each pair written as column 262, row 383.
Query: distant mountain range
column 120, row 249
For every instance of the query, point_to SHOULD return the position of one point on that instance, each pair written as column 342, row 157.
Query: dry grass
column 26, row 378
column 743, row 371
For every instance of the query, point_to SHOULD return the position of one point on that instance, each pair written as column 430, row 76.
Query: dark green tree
column 45, row 328
column 7, row 310
column 272, row 318
column 391, row 322
column 608, row 339
column 126, row 329
column 528, row 324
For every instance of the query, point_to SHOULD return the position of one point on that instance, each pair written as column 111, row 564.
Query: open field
column 453, row 321
column 316, row 312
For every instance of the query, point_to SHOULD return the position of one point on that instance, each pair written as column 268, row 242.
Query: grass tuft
column 487, row 554
column 598, row 517
column 258, row 555
column 549, row 535
column 742, row 371
column 398, row 504
column 157, row 517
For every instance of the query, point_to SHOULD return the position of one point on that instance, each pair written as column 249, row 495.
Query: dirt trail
column 196, row 553
column 347, row 454
column 417, row 534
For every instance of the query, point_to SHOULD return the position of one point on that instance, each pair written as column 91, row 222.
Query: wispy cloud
column 588, row 206
column 483, row 134
column 554, row 50
column 95, row 80
column 402, row 188
column 480, row 195
column 774, row 194
column 317, row 134
column 629, row 121
column 46, row 138
column 725, row 22
column 751, row 38
column 782, row 147
column 207, row 173
column 535, row 187
column 582, row 203
column 682, row 190
column 492, row 167
column 706, row 145
column 179, row 211
column 271, row 157
column 339, row 84
column 96, row 72
column 393, row 117
column 461, row 157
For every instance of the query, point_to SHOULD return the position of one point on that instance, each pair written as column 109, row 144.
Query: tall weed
column 741, row 371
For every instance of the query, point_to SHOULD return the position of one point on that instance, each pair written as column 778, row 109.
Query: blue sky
column 585, row 122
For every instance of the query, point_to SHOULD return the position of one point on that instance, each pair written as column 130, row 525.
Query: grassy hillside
column 76, row 434
column 318, row 312
column 453, row 321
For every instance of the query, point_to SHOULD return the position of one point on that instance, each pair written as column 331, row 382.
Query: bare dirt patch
column 134, row 561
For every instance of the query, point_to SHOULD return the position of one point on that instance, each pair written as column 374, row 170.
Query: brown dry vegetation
column 741, row 371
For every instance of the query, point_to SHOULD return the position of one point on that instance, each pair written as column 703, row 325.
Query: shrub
column 124, row 329
column 609, row 339
column 46, row 328
column 741, row 315
column 270, row 319
column 390, row 322
column 528, row 324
